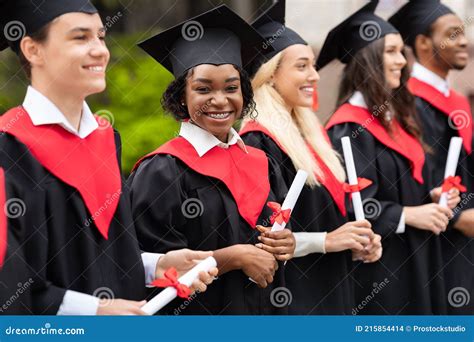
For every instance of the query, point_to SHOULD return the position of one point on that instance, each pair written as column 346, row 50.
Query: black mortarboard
column 218, row 36
column 271, row 26
column 356, row 32
column 416, row 17
column 24, row 17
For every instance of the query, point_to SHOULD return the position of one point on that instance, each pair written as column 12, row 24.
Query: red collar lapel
column 245, row 175
column 89, row 165
column 455, row 106
column 401, row 142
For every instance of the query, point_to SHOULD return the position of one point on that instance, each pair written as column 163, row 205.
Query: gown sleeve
column 157, row 197
column 365, row 160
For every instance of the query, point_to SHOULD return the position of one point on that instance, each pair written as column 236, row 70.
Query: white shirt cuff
column 77, row 303
column 308, row 243
column 150, row 260
column 401, row 225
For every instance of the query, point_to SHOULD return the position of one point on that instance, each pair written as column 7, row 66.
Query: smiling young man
column 64, row 165
column 437, row 37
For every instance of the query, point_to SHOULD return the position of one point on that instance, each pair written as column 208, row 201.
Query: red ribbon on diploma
column 453, row 182
column 279, row 215
column 171, row 280
column 362, row 183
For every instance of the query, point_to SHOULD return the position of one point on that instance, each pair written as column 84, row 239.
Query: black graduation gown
column 15, row 280
column 408, row 277
column 321, row 284
column 176, row 207
column 62, row 246
column 458, row 249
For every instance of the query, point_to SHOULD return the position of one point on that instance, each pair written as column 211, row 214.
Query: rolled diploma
column 451, row 165
column 352, row 177
column 170, row 293
column 292, row 197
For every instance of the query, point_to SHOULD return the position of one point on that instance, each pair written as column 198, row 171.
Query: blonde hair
column 293, row 128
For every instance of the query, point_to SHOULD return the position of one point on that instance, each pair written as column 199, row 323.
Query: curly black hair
column 173, row 95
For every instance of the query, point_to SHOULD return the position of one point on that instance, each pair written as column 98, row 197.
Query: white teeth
column 96, row 68
column 308, row 89
column 219, row 115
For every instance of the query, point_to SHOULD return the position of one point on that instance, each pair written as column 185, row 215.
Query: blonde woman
column 289, row 132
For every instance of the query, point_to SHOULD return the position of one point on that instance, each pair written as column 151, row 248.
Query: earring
column 183, row 104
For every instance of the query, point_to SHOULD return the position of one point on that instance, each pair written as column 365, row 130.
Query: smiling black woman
column 206, row 189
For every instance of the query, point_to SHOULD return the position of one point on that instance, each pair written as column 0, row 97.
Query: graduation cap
column 356, row 32
column 271, row 26
column 219, row 36
column 416, row 17
column 19, row 18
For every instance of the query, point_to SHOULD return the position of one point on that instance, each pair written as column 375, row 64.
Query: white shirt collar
column 44, row 112
column 357, row 99
column 203, row 141
column 427, row 76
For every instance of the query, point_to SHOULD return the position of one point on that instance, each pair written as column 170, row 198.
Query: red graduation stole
column 89, row 165
column 454, row 106
column 3, row 219
column 401, row 142
column 245, row 175
column 330, row 182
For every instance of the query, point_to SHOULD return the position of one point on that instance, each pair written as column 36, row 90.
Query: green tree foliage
column 135, row 83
